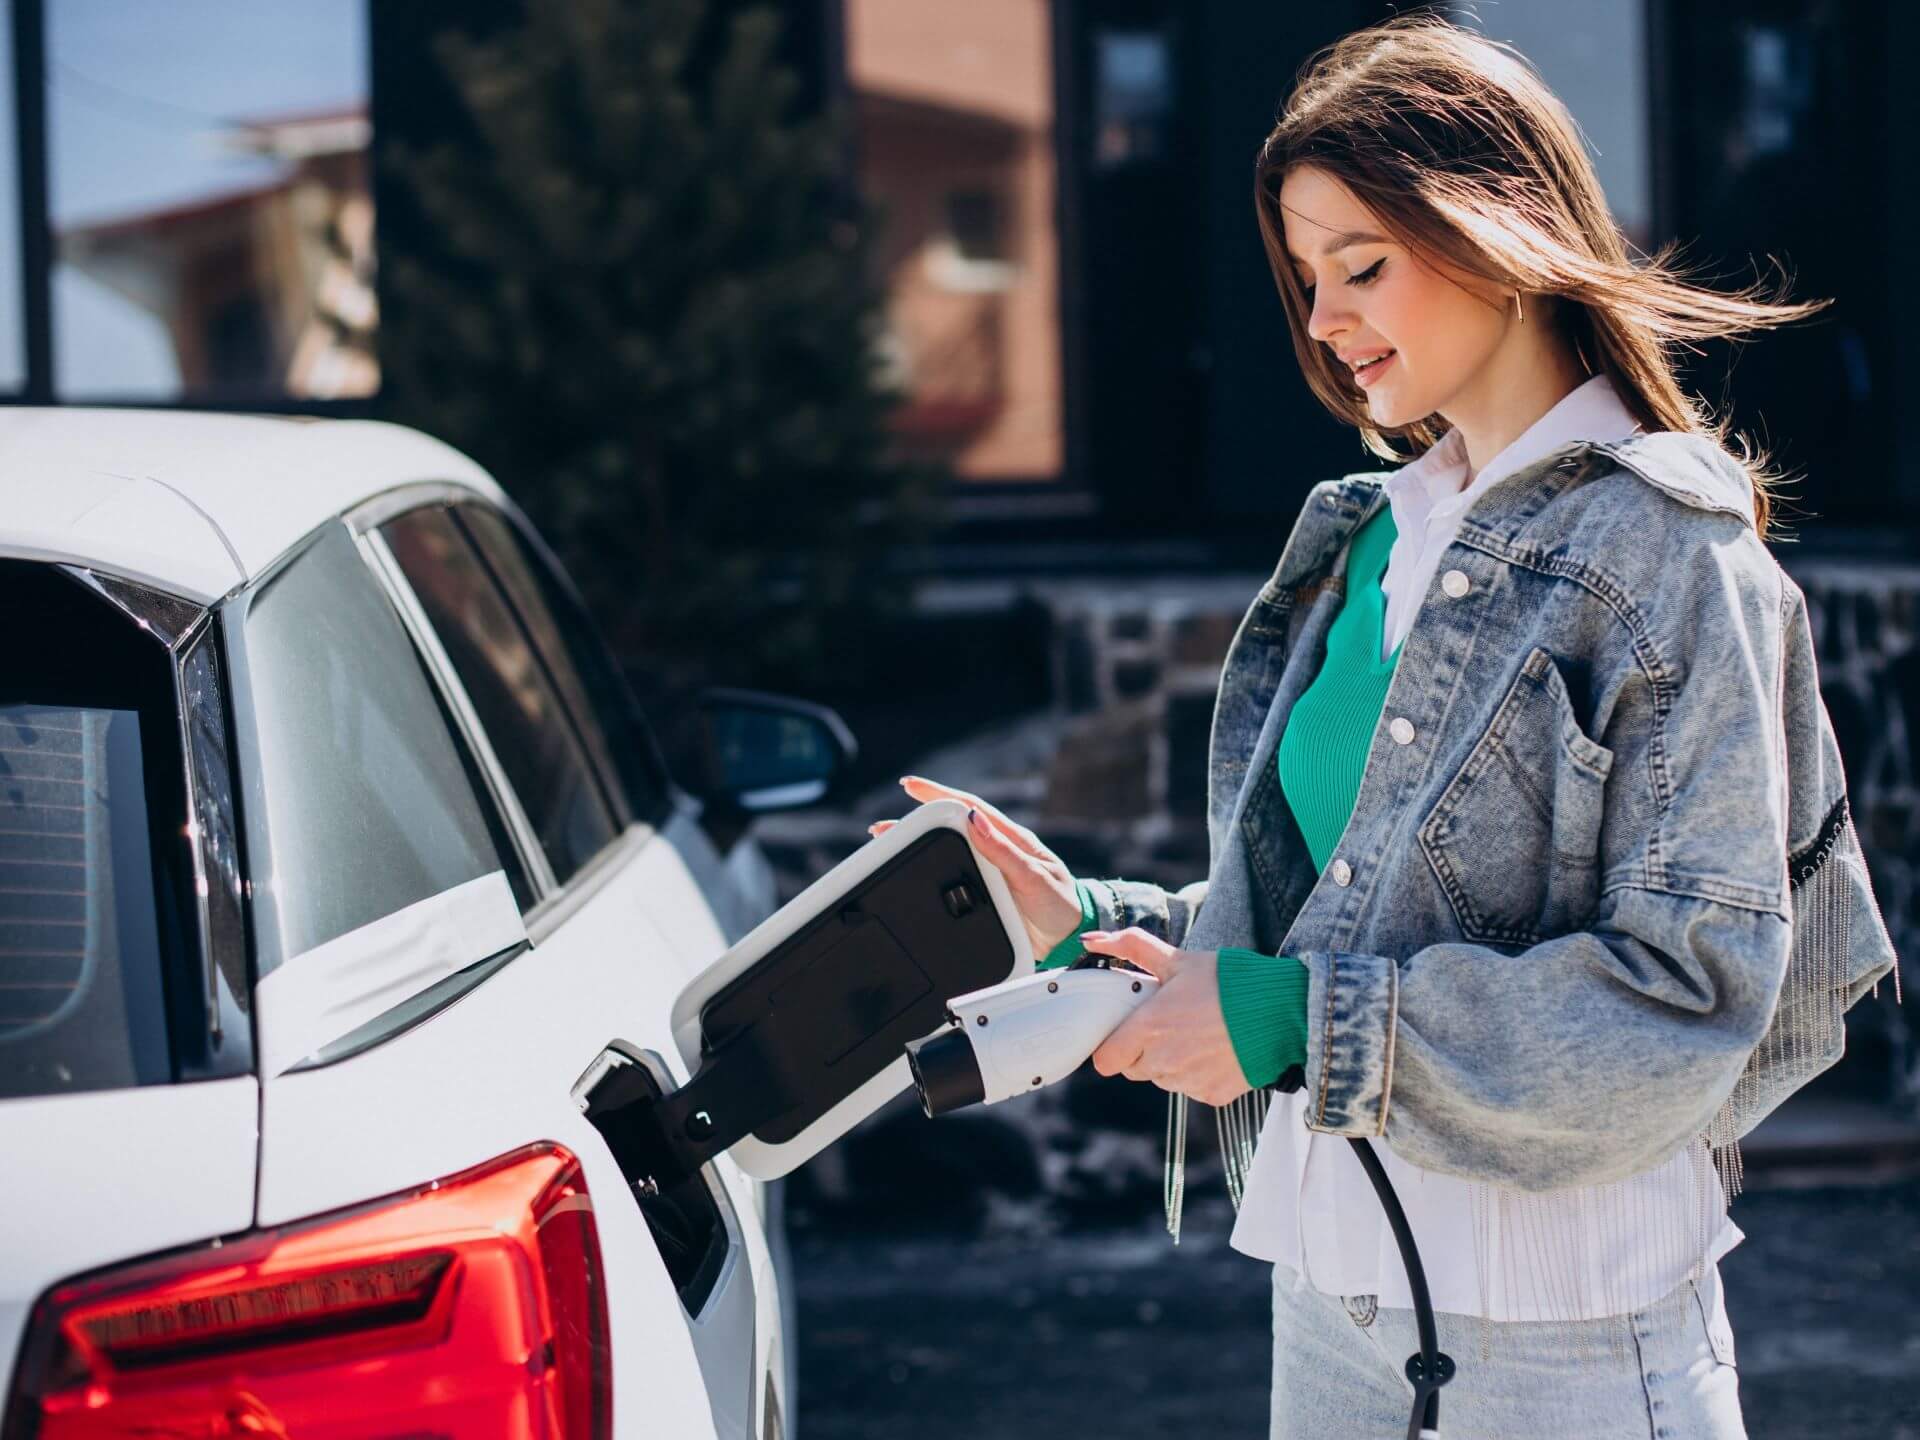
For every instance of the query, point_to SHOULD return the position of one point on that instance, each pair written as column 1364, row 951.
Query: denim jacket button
column 1342, row 872
column 1454, row 582
column 1402, row 730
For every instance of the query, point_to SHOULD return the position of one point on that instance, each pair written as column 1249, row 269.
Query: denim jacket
column 1600, row 894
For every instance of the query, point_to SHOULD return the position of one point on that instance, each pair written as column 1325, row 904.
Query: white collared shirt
column 1429, row 495
column 1308, row 1204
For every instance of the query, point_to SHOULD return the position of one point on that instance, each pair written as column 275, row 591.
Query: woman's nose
column 1328, row 318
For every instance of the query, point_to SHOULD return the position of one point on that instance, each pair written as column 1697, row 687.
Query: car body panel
column 196, row 503
column 496, row 1070
column 122, row 525
column 113, row 1175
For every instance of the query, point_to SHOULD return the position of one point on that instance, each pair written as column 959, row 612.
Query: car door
column 575, row 773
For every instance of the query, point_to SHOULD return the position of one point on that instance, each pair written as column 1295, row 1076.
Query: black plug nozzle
column 946, row 1074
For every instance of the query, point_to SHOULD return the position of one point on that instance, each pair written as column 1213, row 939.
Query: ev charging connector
column 1026, row 1034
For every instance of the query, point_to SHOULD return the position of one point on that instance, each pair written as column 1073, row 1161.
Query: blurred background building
column 1077, row 307
column 205, row 203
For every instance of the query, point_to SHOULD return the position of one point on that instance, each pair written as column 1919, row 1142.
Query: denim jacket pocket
column 1514, row 838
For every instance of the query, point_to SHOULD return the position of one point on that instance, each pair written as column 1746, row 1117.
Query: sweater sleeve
column 1264, row 1000
column 1069, row 949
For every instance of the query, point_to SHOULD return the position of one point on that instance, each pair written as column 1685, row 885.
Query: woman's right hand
column 1042, row 887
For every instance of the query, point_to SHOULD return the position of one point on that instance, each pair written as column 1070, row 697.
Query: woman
column 1529, row 837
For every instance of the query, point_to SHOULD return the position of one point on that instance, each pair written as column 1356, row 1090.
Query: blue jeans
column 1665, row 1372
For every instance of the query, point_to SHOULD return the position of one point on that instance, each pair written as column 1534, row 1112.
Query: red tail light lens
column 472, row 1308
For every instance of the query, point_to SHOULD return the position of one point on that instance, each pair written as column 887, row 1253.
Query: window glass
column 513, row 694
column 209, row 197
column 94, row 894
column 578, row 657
column 1132, row 96
column 1598, row 66
column 1773, row 115
column 358, row 802
column 13, row 351
column 954, row 111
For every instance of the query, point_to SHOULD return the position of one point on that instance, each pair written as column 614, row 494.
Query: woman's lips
column 1371, row 373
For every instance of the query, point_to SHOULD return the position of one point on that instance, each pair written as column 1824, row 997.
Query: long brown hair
column 1457, row 145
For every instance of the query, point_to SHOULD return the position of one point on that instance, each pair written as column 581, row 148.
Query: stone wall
column 1864, row 627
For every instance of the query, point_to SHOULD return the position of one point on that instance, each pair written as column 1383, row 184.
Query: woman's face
column 1371, row 295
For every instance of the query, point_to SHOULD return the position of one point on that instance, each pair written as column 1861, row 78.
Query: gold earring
column 1518, row 313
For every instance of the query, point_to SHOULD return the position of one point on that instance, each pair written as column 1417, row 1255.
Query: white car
column 338, row 872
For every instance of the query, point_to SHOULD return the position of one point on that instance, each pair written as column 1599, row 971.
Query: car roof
column 192, row 502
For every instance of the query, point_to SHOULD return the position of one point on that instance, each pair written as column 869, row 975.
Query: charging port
column 683, row 1212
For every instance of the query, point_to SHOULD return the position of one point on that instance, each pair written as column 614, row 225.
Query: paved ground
column 1117, row 1335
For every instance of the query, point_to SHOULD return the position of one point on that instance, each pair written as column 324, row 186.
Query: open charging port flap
column 817, row 1006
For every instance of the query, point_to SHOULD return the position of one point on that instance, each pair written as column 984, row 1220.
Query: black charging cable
column 1428, row 1368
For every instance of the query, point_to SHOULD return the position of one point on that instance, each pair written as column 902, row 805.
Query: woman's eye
column 1365, row 277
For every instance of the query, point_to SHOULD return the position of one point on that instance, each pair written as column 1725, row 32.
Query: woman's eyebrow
column 1341, row 241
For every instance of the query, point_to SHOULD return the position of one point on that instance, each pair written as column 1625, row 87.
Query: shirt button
column 1402, row 730
column 1454, row 582
column 1342, row 873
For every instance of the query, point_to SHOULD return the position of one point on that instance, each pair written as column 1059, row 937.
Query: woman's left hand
column 1178, row 1039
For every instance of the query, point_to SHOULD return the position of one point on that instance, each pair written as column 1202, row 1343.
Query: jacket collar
column 1691, row 468
column 1436, row 481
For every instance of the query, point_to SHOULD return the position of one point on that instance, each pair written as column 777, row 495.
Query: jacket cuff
column 1353, row 1004
column 1263, row 999
column 1069, row 949
column 1109, row 911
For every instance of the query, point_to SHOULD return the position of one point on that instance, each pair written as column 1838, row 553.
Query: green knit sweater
column 1323, row 751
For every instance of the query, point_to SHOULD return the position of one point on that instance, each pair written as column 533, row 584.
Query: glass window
column 94, row 872
column 209, row 196
column 578, row 657
column 357, row 800
column 13, row 345
column 1595, row 58
column 1132, row 97
column 954, row 111
column 1774, row 114
column 514, row 695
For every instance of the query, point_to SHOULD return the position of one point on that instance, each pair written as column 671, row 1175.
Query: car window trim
column 187, row 629
column 542, row 560
column 370, row 514
column 593, row 876
column 597, row 758
column 553, row 902
column 390, row 504
column 392, row 579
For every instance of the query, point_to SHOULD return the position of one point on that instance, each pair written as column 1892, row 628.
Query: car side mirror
column 753, row 752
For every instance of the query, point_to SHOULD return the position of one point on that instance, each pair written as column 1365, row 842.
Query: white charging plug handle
column 1029, row 1033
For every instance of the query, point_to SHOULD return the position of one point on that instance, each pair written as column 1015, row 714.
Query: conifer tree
column 646, row 305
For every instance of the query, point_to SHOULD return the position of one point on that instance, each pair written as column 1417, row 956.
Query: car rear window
column 93, row 863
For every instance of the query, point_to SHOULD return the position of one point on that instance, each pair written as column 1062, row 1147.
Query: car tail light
column 471, row 1308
